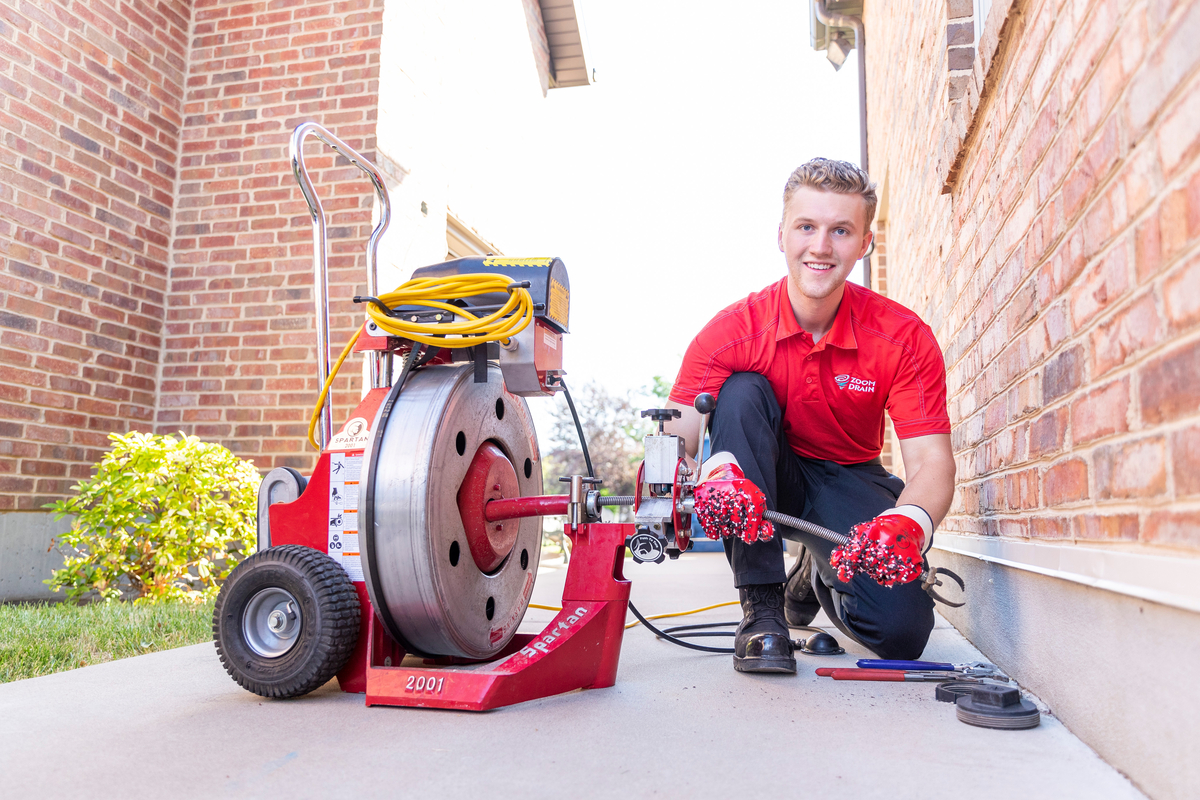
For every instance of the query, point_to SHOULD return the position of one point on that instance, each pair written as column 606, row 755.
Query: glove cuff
column 715, row 462
column 917, row 515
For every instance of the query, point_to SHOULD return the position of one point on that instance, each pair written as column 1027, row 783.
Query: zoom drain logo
column 854, row 384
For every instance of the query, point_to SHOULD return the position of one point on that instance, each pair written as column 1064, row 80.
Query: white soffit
column 564, row 34
column 1167, row 579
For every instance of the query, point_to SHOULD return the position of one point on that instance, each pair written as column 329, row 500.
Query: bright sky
column 660, row 185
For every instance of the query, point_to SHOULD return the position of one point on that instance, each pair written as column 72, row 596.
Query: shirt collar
column 840, row 335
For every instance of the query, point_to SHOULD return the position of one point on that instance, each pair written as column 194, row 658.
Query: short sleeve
column 725, row 345
column 917, row 401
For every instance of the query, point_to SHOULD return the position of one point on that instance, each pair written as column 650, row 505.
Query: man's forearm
column 929, row 478
column 931, row 489
column 690, row 426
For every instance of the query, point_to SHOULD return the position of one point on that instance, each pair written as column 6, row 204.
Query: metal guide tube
column 321, row 252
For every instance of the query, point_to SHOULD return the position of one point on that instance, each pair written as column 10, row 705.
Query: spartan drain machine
column 404, row 565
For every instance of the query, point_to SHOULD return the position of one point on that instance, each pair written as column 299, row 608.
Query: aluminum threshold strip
column 1166, row 579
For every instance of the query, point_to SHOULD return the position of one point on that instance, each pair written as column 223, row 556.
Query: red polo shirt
column 878, row 355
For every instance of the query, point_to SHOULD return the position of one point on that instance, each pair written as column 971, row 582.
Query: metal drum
column 419, row 561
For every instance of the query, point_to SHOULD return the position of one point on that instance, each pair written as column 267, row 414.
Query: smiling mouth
column 818, row 266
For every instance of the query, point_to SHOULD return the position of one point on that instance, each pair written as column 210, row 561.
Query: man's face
column 822, row 235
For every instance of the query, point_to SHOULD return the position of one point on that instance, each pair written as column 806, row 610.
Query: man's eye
column 841, row 231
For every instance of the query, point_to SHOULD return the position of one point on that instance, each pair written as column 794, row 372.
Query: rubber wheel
column 286, row 621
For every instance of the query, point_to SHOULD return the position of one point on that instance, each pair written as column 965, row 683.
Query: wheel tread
column 338, row 612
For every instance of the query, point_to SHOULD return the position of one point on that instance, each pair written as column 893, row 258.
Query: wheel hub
column 490, row 477
column 271, row 622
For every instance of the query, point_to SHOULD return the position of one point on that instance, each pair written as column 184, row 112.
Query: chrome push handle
column 321, row 251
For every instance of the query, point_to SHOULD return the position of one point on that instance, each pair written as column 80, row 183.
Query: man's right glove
column 727, row 504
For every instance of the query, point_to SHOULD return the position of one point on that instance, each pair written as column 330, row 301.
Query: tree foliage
column 614, row 428
column 162, row 518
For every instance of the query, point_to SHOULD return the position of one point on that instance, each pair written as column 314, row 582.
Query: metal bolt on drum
column 271, row 622
column 419, row 561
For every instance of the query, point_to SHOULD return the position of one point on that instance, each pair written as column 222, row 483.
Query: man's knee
column 744, row 393
column 904, row 636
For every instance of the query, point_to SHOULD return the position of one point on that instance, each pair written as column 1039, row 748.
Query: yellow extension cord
column 497, row 326
column 656, row 616
column 508, row 320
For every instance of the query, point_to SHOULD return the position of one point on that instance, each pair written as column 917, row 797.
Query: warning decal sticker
column 344, row 472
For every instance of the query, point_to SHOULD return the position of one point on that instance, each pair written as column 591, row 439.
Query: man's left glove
column 727, row 504
column 889, row 549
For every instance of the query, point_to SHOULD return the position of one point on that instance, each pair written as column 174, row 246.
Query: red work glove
column 726, row 504
column 888, row 549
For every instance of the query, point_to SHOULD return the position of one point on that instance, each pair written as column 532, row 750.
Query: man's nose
column 822, row 243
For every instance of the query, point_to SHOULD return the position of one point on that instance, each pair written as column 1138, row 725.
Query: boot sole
column 760, row 664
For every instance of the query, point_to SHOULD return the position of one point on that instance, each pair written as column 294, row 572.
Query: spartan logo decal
column 854, row 384
column 353, row 436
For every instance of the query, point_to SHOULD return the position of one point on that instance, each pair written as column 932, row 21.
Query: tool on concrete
column 975, row 668
column 950, row 691
column 894, row 675
column 998, row 707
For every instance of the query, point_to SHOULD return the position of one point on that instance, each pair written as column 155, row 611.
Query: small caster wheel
column 286, row 621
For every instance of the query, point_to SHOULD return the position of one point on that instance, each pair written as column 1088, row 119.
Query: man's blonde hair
column 830, row 175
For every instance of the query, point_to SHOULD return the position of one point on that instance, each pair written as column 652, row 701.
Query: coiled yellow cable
column 510, row 319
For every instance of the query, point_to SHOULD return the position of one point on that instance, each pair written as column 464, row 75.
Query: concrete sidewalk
column 677, row 724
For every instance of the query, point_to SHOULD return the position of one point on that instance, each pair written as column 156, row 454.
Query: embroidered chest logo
column 854, row 384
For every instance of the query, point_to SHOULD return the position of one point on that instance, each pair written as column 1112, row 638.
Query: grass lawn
column 44, row 638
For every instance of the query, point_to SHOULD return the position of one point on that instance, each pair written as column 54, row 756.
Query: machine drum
column 286, row 621
column 443, row 581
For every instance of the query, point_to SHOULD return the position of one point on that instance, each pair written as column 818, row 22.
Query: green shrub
column 162, row 519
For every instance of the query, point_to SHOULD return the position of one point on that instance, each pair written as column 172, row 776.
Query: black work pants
column 893, row 623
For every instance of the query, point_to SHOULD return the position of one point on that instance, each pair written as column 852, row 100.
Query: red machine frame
column 579, row 649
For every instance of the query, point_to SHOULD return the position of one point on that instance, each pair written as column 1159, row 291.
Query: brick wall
column 90, row 120
column 1061, row 267
column 240, row 349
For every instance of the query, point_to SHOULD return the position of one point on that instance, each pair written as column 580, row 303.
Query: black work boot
column 800, row 604
column 762, row 643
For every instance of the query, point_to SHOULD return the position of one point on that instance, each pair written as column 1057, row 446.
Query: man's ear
column 866, row 245
column 779, row 237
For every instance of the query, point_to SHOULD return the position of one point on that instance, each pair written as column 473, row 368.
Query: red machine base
column 579, row 649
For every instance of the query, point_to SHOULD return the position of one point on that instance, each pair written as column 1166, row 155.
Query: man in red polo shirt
column 802, row 372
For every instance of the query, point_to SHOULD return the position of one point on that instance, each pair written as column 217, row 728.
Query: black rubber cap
column 705, row 403
column 821, row 644
column 1000, row 707
column 950, row 691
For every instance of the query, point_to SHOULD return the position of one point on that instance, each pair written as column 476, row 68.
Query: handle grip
column 866, row 675
column 883, row 663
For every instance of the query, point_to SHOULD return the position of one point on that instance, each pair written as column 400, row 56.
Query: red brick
column 1064, row 373
column 1173, row 223
column 1102, row 285
column 1101, row 412
column 1065, row 482
column 1185, row 460
column 1131, row 469
column 1177, row 528
column 1021, row 489
column 1106, row 527
column 1181, row 297
column 1169, row 385
column 1131, row 330
column 1050, row 527
column 1047, row 432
